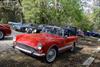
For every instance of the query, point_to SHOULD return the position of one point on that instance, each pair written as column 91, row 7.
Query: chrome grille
column 25, row 47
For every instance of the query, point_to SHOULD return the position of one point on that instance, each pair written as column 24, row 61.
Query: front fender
column 48, row 46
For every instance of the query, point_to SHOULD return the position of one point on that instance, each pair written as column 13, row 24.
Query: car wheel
column 51, row 55
column 1, row 35
column 73, row 47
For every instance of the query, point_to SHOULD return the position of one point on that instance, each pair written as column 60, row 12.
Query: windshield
column 47, row 30
column 53, row 30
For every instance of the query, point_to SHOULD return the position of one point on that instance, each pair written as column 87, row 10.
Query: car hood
column 5, row 26
column 33, row 39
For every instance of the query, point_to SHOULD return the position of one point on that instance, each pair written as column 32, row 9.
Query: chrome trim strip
column 27, row 51
column 37, row 54
column 23, row 49
column 62, row 48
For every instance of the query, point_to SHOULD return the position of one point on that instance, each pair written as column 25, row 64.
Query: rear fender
column 3, row 32
column 73, row 38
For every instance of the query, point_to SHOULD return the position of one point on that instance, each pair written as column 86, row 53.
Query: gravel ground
column 7, row 42
column 10, row 57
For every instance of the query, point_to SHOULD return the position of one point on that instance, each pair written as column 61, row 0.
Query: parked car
column 13, row 24
column 4, row 30
column 69, row 30
column 87, row 33
column 21, row 27
column 16, row 26
column 36, row 28
column 80, row 32
column 92, row 33
column 32, row 28
column 96, row 34
column 48, row 43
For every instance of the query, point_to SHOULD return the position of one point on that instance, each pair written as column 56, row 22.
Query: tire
column 73, row 47
column 1, row 35
column 50, row 59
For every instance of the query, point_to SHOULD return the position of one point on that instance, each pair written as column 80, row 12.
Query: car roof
column 53, row 27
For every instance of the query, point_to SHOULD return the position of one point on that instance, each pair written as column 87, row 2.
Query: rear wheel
column 51, row 55
column 1, row 35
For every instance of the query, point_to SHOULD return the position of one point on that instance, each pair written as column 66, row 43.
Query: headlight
column 34, row 30
column 14, row 38
column 39, row 46
column 26, row 29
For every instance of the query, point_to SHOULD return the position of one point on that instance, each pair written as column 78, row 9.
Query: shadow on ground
column 65, row 59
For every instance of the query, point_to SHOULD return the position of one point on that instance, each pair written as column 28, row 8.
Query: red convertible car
column 48, row 43
column 4, row 30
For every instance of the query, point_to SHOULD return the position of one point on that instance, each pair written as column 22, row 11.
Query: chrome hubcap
column 51, row 55
column 1, row 35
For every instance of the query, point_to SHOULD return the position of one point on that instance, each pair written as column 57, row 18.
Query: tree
column 96, row 18
column 56, row 12
column 10, row 10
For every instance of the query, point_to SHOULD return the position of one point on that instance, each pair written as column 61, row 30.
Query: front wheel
column 51, row 55
column 1, row 35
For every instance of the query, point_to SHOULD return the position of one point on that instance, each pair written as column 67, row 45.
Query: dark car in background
column 69, row 30
column 4, row 30
column 41, row 27
column 35, row 28
column 15, row 25
column 22, row 27
column 92, row 33
column 32, row 28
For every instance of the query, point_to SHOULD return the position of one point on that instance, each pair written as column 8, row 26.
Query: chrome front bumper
column 29, row 51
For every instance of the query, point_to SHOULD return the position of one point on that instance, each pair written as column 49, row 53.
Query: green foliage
column 96, row 18
column 3, row 20
column 62, row 13
column 56, row 12
column 10, row 10
column 31, row 10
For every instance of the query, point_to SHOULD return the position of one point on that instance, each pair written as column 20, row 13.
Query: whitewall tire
column 1, row 35
column 51, row 55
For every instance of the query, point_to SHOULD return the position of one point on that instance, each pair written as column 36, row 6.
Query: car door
column 66, row 41
column 62, row 41
column 59, row 39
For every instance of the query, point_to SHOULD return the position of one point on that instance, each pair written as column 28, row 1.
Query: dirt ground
column 10, row 57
